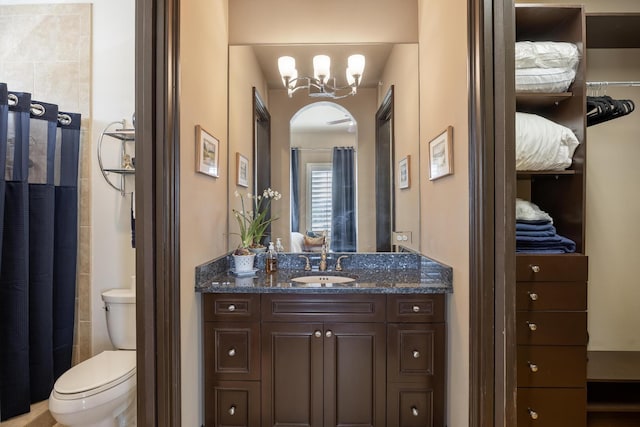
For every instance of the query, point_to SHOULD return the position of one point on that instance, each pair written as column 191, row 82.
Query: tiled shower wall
column 46, row 50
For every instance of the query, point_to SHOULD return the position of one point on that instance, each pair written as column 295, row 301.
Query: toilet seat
column 95, row 375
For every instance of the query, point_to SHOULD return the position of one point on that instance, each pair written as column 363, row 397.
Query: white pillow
column 547, row 55
column 528, row 211
column 542, row 144
column 544, row 79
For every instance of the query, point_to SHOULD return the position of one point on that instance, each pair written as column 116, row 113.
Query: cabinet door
column 232, row 404
column 354, row 372
column 292, row 374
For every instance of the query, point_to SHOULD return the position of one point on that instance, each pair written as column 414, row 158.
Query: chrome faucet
column 307, row 265
column 339, row 264
column 323, row 257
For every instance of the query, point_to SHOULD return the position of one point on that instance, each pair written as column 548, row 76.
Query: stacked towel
column 535, row 232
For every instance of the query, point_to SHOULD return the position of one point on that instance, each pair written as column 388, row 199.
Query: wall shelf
column 125, row 167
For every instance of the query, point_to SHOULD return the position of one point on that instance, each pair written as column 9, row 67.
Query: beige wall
column 246, row 73
column 203, row 199
column 402, row 72
column 445, row 203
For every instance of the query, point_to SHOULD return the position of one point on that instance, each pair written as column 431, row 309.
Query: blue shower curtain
column 39, row 245
column 4, row 119
column 295, row 189
column 343, row 200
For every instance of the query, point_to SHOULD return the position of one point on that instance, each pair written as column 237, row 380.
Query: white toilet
column 101, row 391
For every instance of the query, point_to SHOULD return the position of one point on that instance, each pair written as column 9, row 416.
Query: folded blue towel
column 557, row 242
column 542, row 233
column 547, row 226
column 533, row 221
column 540, row 251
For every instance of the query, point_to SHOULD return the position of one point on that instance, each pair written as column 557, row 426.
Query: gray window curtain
column 295, row 189
column 343, row 215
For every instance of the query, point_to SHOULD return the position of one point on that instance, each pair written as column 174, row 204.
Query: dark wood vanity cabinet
column 324, row 360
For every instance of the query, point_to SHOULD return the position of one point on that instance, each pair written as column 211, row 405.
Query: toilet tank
column 120, row 309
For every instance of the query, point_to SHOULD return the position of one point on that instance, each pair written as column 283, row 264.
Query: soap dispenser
column 271, row 264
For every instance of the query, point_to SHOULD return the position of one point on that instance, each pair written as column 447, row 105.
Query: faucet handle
column 338, row 262
column 307, row 266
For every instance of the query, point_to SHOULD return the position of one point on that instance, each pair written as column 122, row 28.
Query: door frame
column 491, row 108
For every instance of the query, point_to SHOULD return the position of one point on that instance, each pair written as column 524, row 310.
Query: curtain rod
column 605, row 84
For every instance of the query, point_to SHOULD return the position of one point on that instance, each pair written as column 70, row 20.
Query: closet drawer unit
column 551, row 296
column 231, row 307
column 233, row 403
column 552, row 366
column 413, row 405
column 551, row 407
column 321, row 308
column 551, row 268
column 551, row 328
column 412, row 354
column 232, row 350
column 421, row 308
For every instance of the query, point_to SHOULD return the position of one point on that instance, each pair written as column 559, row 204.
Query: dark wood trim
column 492, row 194
column 157, row 208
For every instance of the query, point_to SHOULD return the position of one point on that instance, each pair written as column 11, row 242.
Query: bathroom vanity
column 281, row 351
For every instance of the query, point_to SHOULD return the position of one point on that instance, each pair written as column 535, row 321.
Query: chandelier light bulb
column 287, row 67
column 350, row 79
column 322, row 67
column 356, row 65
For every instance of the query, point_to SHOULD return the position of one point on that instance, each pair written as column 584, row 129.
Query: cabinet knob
column 328, row 334
column 317, row 334
column 232, row 410
column 231, row 307
column 535, row 268
column 532, row 367
column 533, row 414
column 532, row 326
column 416, row 308
column 533, row 296
column 416, row 354
column 231, row 352
column 414, row 411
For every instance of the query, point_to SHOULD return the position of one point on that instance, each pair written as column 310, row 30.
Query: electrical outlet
column 401, row 237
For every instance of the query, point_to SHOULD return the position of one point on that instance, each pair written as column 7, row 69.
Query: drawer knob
column 535, row 268
column 533, row 414
column 414, row 411
column 232, row 410
column 317, row 334
column 231, row 352
column 532, row 326
column 533, row 367
column 416, row 308
column 416, row 354
column 231, row 307
column 533, row 296
column 328, row 334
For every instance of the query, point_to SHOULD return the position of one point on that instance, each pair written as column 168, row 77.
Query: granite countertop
column 388, row 273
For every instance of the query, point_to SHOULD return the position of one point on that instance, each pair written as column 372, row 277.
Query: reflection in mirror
column 323, row 187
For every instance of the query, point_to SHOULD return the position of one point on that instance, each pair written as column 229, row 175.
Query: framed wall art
column 404, row 172
column 242, row 168
column 207, row 153
column 441, row 154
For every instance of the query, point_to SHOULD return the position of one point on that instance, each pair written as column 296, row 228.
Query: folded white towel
column 528, row 211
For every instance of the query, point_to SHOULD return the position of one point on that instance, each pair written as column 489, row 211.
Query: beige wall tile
column 85, row 201
column 84, row 297
column 19, row 76
column 84, row 340
column 84, row 250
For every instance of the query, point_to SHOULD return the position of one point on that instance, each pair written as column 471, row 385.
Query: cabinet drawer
column 412, row 353
column 233, row 403
column 414, row 405
column 411, row 308
column 319, row 308
column 570, row 296
column 551, row 407
column 232, row 350
column 225, row 307
column 551, row 328
column 552, row 366
column 556, row 268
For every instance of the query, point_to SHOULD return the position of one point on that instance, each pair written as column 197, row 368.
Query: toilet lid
column 103, row 371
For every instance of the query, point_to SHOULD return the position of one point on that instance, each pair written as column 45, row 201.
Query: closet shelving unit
column 551, row 290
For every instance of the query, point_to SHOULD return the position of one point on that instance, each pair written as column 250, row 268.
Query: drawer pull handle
column 533, row 414
column 328, row 334
column 416, row 354
column 317, row 334
column 535, row 268
column 533, row 367
column 231, row 307
column 231, row 352
column 416, row 308
column 414, row 411
column 232, row 410
column 533, row 296
column 532, row 326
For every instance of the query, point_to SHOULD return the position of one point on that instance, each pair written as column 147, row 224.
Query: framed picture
column 207, row 153
column 441, row 155
column 404, row 172
column 242, row 167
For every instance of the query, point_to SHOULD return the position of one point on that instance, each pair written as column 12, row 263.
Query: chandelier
column 321, row 85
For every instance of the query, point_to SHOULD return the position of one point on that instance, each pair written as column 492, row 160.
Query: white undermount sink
column 322, row 279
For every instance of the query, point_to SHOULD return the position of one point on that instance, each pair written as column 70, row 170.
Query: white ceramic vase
column 243, row 263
